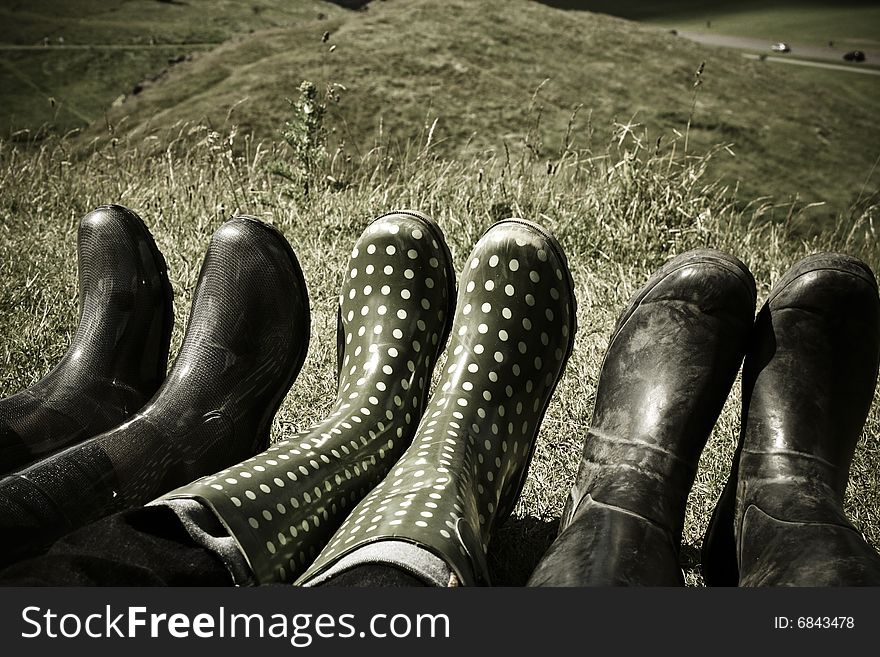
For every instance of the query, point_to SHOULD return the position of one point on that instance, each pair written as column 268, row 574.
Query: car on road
column 780, row 47
column 854, row 56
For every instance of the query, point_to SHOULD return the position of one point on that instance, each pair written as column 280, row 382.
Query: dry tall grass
column 619, row 211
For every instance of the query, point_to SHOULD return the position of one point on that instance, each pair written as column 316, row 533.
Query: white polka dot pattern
column 282, row 505
column 466, row 466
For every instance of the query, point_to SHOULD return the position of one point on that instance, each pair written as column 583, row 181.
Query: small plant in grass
column 306, row 136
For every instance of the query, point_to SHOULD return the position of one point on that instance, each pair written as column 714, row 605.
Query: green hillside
column 472, row 66
column 64, row 62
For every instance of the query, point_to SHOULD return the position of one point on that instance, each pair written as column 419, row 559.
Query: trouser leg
column 374, row 575
column 145, row 546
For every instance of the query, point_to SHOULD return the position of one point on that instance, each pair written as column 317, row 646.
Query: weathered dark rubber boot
column 671, row 361
column 395, row 312
column 808, row 382
column 245, row 343
column 463, row 473
column 117, row 357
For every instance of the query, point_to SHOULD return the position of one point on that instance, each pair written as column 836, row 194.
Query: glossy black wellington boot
column 117, row 357
column 671, row 361
column 244, row 344
column 462, row 476
column 808, row 382
column 395, row 312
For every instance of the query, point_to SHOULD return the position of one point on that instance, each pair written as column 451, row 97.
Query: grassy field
column 590, row 125
column 793, row 135
column 619, row 212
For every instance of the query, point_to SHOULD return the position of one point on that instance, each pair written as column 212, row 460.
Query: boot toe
column 668, row 370
column 123, row 284
column 398, row 290
column 820, row 325
column 116, row 247
column 826, row 283
column 710, row 282
column 515, row 336
column 680, row 341
column 118, row 355
column 808, row 382
column 248, row 331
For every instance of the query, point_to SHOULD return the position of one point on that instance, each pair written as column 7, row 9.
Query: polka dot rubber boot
column 245, row 342
column 464, row 471
column 395, row 313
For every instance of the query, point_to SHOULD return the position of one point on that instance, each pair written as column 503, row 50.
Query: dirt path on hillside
column 105, row 46
column 63, row 104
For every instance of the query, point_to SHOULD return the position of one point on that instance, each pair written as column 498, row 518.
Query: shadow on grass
column 522, row 541
column 517, row 547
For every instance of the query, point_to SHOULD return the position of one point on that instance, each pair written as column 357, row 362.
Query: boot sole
column 437, row 234
column 563, row 260
column 296, row 366
column 161, row 267
column 823, row 262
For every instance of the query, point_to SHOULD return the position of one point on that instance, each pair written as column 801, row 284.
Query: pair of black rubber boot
column 463, row 459
column 811, row 363
column 106, row 429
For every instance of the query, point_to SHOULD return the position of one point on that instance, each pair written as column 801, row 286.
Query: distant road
column 798, row 51
column 105, row 46
column 804, row 62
